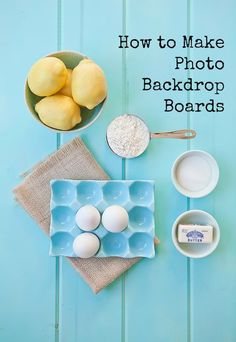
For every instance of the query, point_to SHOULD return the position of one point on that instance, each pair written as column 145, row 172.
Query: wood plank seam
column 189, row 262
column 124, row 109
column 58, row 145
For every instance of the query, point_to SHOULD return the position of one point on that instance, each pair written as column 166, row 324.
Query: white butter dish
column 191, row 218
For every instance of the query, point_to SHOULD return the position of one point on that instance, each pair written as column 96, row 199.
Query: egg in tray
column 102, row 218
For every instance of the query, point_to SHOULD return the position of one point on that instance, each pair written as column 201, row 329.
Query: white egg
column 115, row 219
column 88, row 218
column 86, row 245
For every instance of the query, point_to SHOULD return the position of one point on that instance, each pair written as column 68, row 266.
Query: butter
column 194, row 233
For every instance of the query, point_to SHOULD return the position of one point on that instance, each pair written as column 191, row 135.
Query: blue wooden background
column 170, row 298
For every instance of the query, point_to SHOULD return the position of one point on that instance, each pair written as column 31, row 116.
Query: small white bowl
column 196, row 250
column 195, row 173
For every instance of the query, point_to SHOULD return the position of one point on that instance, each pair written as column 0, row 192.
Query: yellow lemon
column 66, row 90
column 88, row 84
column 47, row 76
column 58, row 111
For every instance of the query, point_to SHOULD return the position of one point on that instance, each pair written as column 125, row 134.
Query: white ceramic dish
column 195, row 173
column 196, row 250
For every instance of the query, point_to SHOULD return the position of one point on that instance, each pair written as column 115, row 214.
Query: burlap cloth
column 72, row 161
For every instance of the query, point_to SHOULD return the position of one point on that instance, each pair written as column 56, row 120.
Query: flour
column 128, row 136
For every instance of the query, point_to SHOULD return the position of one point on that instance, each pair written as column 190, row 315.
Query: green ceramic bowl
column 71, row 60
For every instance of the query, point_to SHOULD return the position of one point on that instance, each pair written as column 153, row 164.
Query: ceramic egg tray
column 137, row 197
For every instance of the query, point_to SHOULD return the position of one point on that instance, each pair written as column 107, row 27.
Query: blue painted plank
column 152, row 303
column 156, row 304
column 85, row 29
column 28, row 274
column 213, row 279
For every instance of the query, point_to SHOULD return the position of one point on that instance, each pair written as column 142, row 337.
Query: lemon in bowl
column 64, row 94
